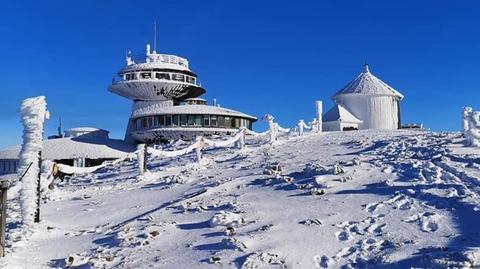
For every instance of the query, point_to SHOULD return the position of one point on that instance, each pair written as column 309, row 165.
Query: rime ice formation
column 33, row 113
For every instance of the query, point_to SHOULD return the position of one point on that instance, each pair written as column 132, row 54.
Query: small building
column 83, row 146
column 339, row 119
column 372, row 101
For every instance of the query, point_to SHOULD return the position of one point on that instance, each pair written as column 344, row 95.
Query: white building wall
column 376, row 112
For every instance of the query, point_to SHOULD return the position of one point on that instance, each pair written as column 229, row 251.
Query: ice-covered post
column 241, row 140
column 465, row 116
column 33, row 113
column 142, row 164
column 199, row 147
column 301, row 124
column 271, row 125
column 319, row 108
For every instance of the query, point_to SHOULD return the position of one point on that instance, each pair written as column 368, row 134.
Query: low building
column 339, row 119
column 82, row 147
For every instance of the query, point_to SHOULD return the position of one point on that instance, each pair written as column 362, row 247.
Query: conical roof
column 339, row 113
column 368, row 84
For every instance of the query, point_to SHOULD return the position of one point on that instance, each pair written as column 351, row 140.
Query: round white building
column 372, row 101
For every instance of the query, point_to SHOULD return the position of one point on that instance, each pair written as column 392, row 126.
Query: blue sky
column 258, row 57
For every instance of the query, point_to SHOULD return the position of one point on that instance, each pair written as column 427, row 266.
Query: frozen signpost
column 33, row 113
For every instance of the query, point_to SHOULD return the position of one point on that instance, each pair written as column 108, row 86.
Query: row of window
column 192, row 120
column 8, row 166
column 167, row 76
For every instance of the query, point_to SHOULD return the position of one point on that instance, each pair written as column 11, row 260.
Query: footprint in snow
column 322, row 261
column 343, row 235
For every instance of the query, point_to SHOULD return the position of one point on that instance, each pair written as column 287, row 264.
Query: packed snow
column 361, row 199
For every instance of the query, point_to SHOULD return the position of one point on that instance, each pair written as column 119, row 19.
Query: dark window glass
column 206, row 120
column 146, row 75
column 198, row 120
column 184, row 120
column 221, row 121
column 228, row 122
column 175, row 119
column 190, row 79
column 178, row 77
column 162, row 76
column 191, row 119
column 162, row 120
column 168, row 120
column 236, row 122
column 213, row 121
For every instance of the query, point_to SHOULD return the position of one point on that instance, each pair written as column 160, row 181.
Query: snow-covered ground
column 366, row 199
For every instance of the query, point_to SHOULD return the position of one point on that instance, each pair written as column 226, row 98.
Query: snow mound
column 228, row 219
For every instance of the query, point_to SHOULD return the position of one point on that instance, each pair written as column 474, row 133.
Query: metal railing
column 159, row 58
column 119, row 79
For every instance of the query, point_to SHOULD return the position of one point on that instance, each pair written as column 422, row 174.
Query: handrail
column 118, row 79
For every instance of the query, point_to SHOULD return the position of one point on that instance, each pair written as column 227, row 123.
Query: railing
column 119, row 79
column 159, row 58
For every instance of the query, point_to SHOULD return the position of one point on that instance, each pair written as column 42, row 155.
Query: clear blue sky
column 258, row 57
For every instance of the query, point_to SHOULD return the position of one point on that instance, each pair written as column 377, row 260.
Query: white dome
column 368, row 84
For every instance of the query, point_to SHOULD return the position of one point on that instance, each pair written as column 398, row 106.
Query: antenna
column 60, row 126
column 154, row 36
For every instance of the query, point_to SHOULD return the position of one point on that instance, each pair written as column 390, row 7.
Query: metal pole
column 3, row 217
column 145, row 157
column 37, row 212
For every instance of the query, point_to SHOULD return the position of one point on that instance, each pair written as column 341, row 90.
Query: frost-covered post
column 241, row 140
column 301, row 124
column 467, row 111
column 33, row 113
column 142, row 164
column 271, row 125
column 319, row 109
column 199, row 147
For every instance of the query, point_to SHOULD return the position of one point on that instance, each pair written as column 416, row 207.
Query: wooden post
column 145, row 157
column 3, row 217
column 37, row 212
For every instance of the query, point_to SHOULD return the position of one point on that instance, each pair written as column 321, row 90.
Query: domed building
column 370, row 100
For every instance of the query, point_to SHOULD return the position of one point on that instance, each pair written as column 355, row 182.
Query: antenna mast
column 155, row 36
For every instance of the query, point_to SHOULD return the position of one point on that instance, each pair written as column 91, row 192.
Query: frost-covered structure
column 471, row 127
column 370, row 100
column 338, row 119
column 81, row 146
column 33, row 113
column 165, row 101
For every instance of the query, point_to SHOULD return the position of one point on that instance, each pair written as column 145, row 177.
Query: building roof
column 72, row 147
column 85, row 129
column 368, row 84
column 189, row 109
column 339, row 113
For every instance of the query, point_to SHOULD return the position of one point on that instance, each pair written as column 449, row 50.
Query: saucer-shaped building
column 165, row 99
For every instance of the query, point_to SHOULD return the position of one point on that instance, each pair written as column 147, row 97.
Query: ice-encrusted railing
column 198, row 146
column 471, row 127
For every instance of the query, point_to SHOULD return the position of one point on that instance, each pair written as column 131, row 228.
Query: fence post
column 37, row 211
column 141, row 158
column 301, row 123
column 319, row 109
column 241, row 142
column 3, row 217
column 199, row 147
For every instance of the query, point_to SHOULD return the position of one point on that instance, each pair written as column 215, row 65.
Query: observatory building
column 364, row 103
column 165, row 99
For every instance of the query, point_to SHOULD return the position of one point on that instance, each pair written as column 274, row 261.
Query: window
column 190, row 79
column 162, row 76
column 150, row 122
column 178, row 77
column 175, row 120
column 130, row 76
column 221, row 121
column 228, row 122
column 168, row 120
column 144, row 123
column 198, row 120
column 162, row 120
column 183, row 119
column 191, row 119
column 206, row 120
column 213, row 121
column 236, row 123
column 146, row 75
column 138, row 123
column 157, row 121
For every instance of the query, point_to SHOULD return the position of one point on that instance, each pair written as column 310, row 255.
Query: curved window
column 213, row 121
column 146, row 75
column 178, row 77
column 162, row 76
